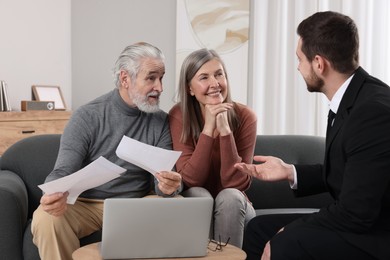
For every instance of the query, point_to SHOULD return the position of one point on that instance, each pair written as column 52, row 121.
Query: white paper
column 94, row 174
column 150, row 158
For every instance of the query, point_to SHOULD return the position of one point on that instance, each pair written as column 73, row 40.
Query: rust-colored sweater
column 209, row 162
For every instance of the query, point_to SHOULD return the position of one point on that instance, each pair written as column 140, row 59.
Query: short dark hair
column 333, row 36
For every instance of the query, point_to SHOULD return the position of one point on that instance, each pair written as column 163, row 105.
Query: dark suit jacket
column 356, row 170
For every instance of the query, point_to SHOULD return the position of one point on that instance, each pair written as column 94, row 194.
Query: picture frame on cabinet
column 49, row 93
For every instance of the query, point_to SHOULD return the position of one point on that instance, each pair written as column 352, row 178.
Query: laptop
column 155, row 227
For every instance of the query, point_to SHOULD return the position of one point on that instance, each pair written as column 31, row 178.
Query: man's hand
column 169, row 181
column 270, row 169
column 54, row 204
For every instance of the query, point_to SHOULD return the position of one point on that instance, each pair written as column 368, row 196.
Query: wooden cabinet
column 15, row 126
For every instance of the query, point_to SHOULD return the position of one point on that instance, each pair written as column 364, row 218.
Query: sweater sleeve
column 194, row 163
column 195, row 159
column 165, row 142
column 236, row 148
column 74, row 145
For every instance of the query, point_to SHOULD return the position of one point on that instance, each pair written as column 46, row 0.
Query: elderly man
column 95, row 130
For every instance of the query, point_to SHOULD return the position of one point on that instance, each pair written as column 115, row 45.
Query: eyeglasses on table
column 217, row 245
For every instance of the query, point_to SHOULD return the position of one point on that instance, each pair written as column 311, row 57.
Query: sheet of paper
column 94, row 174
column 150, row 158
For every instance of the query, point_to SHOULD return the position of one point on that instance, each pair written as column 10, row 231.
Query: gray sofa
column 277, row 197
column 23, row 166
column 26, row 164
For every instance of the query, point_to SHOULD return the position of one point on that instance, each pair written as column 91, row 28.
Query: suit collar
column 335, row 102
column 347, row 102
column 353, row 89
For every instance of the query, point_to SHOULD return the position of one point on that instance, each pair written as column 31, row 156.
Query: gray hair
column 191, row 112
column 131, row 59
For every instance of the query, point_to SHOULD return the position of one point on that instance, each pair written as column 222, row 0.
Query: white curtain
column 277, row 91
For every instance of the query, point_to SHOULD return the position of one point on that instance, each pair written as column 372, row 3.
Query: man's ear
column 124, row 79
column 320, row 64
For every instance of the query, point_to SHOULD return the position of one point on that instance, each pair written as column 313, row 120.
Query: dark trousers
column 299, row 242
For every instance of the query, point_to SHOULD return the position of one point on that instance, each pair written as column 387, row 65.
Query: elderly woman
column 214, row 133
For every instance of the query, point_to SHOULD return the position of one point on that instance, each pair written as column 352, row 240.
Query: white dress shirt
column 334, row 106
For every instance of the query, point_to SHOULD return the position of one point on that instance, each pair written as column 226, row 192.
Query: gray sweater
column 96, row 129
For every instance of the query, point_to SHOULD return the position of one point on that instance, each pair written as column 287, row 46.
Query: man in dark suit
column 356, row 169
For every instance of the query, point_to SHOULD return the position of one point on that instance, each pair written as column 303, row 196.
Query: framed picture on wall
column 221, row 25
column 49, row 93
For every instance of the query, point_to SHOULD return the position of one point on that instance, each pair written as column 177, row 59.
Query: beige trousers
column 57, row 237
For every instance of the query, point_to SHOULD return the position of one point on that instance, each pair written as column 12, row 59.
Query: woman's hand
column 223, row 126
column 215, row 117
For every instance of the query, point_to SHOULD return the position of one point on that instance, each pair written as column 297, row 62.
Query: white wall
column 102, row 29
column 74, row 44
column 35, row 47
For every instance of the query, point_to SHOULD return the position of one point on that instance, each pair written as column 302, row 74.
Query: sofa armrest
column 13, row 216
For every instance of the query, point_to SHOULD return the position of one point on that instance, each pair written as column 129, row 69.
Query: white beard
column 142, row 103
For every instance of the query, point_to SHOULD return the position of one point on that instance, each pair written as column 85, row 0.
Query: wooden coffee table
column 91, row 252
